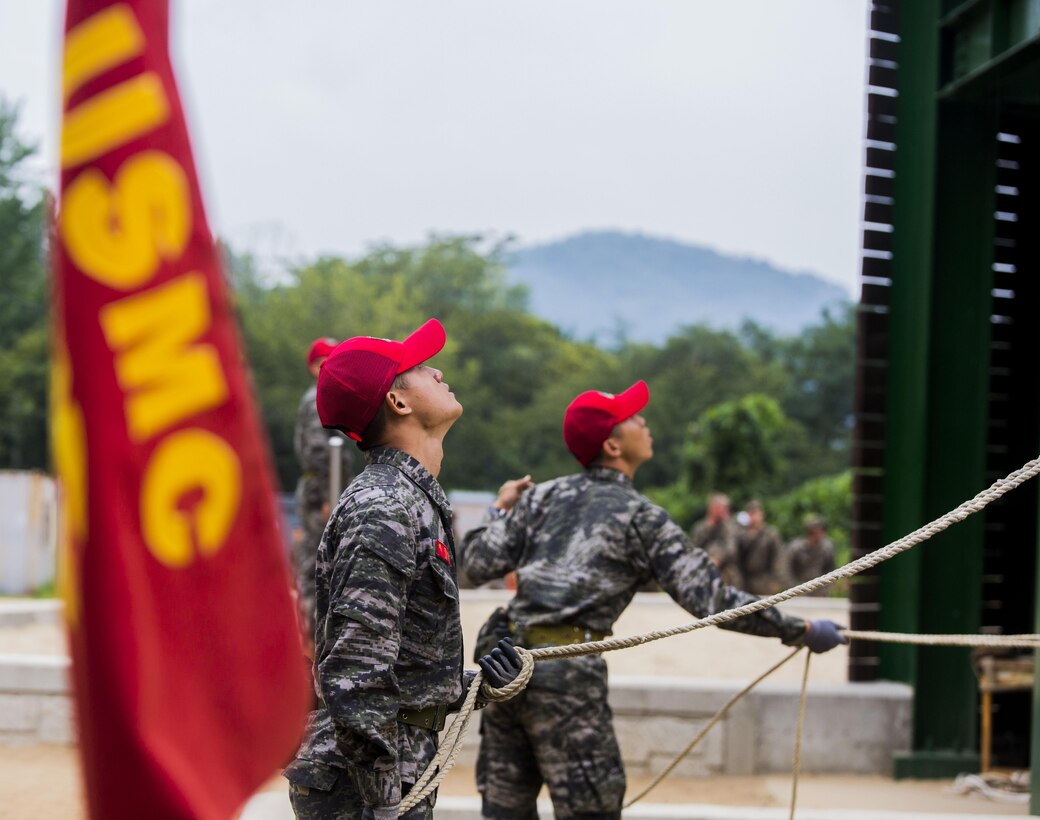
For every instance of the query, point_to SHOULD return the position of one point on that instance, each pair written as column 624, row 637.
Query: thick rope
column 449, row 747
column 452, row 741
column 1031, row 641
column 447, row 750
column 798, row 738
column 980, row 501
column 711, row 723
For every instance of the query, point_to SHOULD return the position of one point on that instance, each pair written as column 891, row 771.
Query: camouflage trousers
column 305, row 556
column 562, row 736
column 320, row 791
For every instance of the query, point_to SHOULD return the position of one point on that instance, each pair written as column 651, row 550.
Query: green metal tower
column 948, row 360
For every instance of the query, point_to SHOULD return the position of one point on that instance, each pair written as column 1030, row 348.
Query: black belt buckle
column 440, row 715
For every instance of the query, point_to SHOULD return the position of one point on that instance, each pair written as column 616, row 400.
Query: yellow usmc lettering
column 165, row 377
column 119, row 234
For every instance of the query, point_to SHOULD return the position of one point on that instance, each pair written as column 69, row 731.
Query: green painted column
column 945, row 737
column 1034, row 745
column 909, row 325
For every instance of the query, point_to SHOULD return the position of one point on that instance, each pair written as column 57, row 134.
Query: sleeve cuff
column 794, row 632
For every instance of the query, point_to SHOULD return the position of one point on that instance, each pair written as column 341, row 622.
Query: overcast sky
column 325, row 125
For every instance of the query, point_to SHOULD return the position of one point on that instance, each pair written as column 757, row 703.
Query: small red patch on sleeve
column 443, row 553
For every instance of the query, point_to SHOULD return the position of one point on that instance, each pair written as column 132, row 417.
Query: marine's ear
column 397, row 403
column 611, row 447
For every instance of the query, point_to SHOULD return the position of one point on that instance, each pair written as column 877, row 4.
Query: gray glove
column 823, row 636
column 383, row 812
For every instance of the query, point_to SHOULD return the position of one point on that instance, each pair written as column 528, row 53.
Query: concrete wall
column 851, row 728
column 35, row 706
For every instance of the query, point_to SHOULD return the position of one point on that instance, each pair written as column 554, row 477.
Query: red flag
column 189, row 683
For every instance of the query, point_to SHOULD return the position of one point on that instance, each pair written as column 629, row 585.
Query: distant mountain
column 596, row 284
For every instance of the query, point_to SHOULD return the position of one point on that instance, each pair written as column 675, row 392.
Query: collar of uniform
column 413, row 469
column 607, row 474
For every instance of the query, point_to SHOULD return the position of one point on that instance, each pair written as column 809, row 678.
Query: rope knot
column 515, row 686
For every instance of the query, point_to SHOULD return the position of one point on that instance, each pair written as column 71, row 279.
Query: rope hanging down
column 708, row 726
column 796, row 769
column 448, row 749
column 1016, row 641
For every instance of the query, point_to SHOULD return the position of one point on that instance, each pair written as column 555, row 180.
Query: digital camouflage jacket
column 388, row 634
column 582, row 545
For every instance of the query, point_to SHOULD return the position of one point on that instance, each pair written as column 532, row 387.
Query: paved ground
column 43, row 782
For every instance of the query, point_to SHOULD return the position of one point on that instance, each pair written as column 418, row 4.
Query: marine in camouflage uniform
column 719, row 539
column 388, row 658
column 810, row 556
column 760, row 554
column 581, row 546
column 388, row 638
column 311, row 445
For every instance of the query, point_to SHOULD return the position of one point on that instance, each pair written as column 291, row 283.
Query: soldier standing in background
column 716, row 534
column 388, row 660
column 311, row 445
column 760, row 553
column 810, row 556
column 581, row 546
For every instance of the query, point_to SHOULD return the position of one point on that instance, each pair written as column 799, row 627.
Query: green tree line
column 748, row 412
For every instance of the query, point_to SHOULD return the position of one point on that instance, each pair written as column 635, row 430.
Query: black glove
column 501, row 665
column 823, row 636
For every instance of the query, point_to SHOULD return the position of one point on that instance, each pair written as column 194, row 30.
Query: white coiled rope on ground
column 450, row 745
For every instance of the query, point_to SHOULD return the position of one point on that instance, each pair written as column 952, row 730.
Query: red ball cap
column 357, row 375
column 320, row 348
column 591, row 417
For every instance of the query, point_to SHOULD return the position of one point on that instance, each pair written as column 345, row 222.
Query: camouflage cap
column 591, row 417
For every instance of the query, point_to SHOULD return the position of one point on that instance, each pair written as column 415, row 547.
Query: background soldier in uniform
column 760, row 553
column 388, row 645
column 581, row 546
column 810, row 556
column 716, row 534
column 311, row 445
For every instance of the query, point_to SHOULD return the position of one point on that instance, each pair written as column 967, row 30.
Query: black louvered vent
column 1009, row 563
column 872, row 329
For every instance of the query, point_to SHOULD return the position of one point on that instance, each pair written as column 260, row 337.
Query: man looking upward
column 581, row 546
column 388, row 641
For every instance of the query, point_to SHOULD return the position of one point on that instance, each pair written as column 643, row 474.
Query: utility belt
column 432, row 717
column 532, row 636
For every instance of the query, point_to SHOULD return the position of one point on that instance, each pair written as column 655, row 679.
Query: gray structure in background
column 28, row 531
column 468, row 508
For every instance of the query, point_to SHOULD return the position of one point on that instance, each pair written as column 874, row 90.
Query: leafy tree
column 696, row 369
column 736, row 447
column 23, row 312
column 818, row 367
